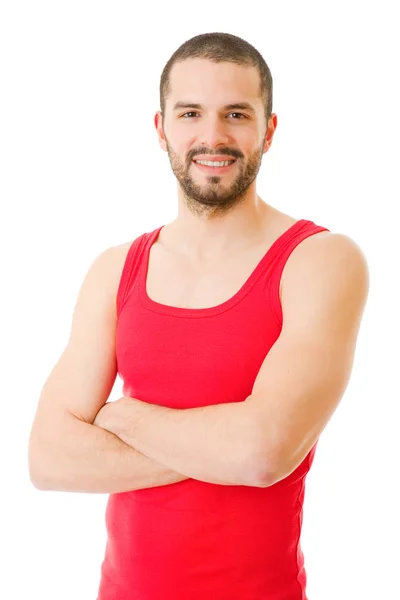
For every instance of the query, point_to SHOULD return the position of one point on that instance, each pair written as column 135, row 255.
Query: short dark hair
column 220, row 47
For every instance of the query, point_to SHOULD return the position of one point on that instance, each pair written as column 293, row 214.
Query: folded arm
column 211, row 443
column 300, row 383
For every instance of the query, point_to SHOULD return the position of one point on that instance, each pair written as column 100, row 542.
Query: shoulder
column 113, row 258
column 327, row 250
column 325, row 266
column 107, row 268
column 115, row 263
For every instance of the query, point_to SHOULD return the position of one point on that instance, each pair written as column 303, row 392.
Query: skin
column 217, row 214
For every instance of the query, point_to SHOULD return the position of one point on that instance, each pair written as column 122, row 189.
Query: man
column 234, row 330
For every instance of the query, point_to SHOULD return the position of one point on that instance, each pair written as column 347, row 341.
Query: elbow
column 261, row 459
column 34, row 475
column 36, row 480
column 36, row 470
column 39, row 484
column 254, row 473
column 263, row 468
column 264, row 478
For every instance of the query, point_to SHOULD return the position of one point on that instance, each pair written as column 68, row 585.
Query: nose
column 214, row 132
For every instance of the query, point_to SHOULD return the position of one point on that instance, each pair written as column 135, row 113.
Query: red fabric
column 196, row 540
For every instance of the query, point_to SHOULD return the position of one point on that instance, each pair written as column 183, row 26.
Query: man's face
column 205, row 126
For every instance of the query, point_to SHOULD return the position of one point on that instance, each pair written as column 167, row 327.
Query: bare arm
column 214, row 444
column 66, row 451
column 86, row 458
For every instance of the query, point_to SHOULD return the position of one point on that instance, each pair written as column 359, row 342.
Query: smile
column 217, row 168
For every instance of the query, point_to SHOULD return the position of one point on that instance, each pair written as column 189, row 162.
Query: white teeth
column 209, row 163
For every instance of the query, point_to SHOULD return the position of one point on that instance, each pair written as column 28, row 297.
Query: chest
column 190, row 361
column 173, row 281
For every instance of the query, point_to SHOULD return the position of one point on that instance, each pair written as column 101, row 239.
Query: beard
column 214, row 196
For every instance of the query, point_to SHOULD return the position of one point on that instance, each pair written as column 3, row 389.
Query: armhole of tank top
column 126, row 273
column 275, row 280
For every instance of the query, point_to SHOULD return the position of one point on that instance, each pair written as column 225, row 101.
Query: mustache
column 225, row 151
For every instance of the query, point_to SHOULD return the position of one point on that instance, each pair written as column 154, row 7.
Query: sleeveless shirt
column 193, row 540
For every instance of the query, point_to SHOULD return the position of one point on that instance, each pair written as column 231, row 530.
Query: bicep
column 83, row 377
column 305, row 373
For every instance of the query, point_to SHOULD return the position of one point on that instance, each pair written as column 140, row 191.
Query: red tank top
column 194, row 540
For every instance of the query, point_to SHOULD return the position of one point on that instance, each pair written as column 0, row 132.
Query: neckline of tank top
column 178, row 311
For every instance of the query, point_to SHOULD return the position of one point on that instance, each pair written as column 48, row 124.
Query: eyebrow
column 235, row 106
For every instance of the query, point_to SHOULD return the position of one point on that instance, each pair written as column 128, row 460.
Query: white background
column 81, row 170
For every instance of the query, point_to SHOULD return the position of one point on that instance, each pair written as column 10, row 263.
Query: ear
column 158, row 122
column 272, row 125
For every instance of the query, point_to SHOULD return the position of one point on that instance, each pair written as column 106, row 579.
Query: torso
column 174, row 281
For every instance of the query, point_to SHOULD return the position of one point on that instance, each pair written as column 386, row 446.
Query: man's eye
column 194, row 113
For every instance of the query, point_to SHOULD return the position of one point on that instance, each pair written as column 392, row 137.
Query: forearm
column 85, row 458
column 214, row 443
